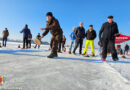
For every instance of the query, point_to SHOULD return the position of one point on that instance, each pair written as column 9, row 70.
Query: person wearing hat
column 53, row 26
column 5, row 34
column 107, row 37
column 90, row 36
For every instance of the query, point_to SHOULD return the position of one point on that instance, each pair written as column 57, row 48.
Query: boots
column 69, row 52
column 92, row 54
column 52, row 55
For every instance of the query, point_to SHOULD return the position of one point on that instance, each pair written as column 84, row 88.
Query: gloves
column 117, row 35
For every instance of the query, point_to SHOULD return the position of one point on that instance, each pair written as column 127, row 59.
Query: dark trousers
column 111, row 46
column 54, row 43
column 25, row 42
column 4, row 41
column 29, row 43
column 59, row 44
column 63, row 45
column 36, row 46
column 78, row 42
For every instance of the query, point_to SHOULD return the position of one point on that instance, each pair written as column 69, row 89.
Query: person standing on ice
column 90, row 36
column 39, row 38
column 73, row 37
column 26, row 32
column 107, row 36
column 5, row 34
column 80, row 35
column 53, row 26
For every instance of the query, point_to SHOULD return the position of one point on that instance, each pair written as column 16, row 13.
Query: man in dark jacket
column 26, row 32
column 53, row 26
column 90, row 36
column 107, row 36
column 5, row 34
column 126, row 49
column 80, row 34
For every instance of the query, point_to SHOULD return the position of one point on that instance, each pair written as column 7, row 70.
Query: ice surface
column 31, row 70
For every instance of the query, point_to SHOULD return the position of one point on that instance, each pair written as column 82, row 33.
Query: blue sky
column 14, row 14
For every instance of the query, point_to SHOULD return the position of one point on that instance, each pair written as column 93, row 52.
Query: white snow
column 31, row 70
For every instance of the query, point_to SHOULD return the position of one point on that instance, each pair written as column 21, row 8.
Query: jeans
column 126, row 51
column 72, row 42
column 4, row 41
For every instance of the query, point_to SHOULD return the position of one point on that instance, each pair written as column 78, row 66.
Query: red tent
column 121, row 39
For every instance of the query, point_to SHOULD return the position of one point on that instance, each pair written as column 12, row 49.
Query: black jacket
column 126, row 47
column 91, row 35
column 80, row 33
column 108, row 30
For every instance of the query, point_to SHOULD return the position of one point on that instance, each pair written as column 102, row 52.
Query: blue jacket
column 74, row 37
column 26, row 32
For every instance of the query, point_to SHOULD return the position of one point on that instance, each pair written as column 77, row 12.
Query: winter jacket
column 80, row 33
column 26, row 32
column 91, row 34
column 54, row 27
column 30, row 37
column 5, row 33
column 109, row 31
column 72, row 36
column 126, row 47
column 38, row 37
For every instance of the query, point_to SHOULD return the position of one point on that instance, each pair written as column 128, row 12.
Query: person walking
column 73, row 37
column 107, row 37
column 5, row 34
column 26, row 32
column 80, row 34
column 53, row 26
column 39, row 38
column 90, row 36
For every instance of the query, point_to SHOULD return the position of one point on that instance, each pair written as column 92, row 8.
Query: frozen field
column 31, row 70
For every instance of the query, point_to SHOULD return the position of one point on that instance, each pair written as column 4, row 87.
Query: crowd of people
column 107, row 34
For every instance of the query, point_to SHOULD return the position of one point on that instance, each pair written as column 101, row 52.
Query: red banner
column 121, row 39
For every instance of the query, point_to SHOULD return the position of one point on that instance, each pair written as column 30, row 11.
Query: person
column 63, row 43
column 107, row 36
column 5, row 34
column 126, row 49
column 53, row 26
column 90, row 36
column 39, row 38
column 26, row 32
column 73, row 37
column 29, row 40
column 80, row 34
